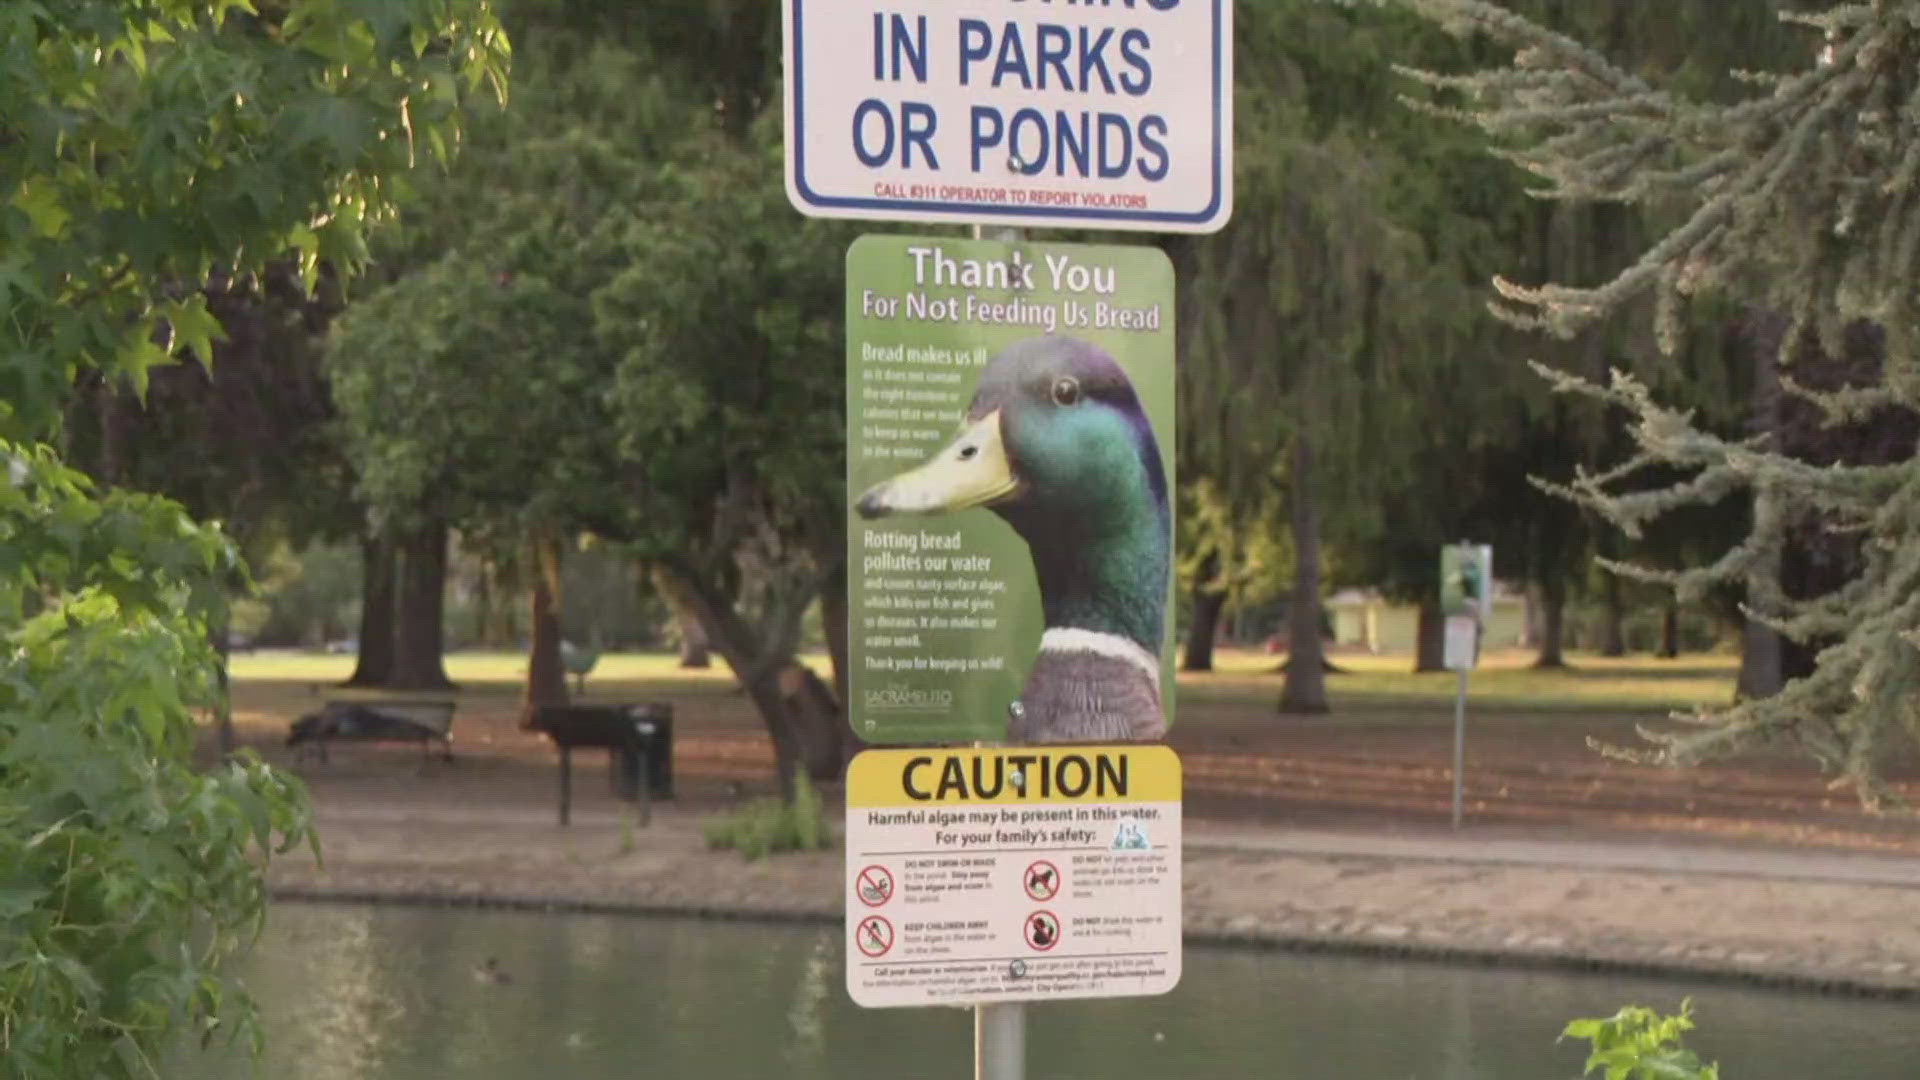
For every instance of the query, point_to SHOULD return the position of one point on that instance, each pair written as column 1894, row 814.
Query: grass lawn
column 1506, row 680
column 277, row 685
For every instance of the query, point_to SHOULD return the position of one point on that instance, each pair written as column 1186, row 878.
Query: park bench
column 392, row 720
column 638, row 740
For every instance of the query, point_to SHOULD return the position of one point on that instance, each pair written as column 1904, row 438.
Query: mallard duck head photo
column 1056, row 443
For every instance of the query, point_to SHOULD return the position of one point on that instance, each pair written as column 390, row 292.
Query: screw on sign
column 1043, row 931
column 874, row 886
column 874, row 936
column 1043, row 880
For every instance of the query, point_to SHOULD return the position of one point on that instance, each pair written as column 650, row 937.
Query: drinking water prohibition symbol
column 874, row 886
column 874, row 936
column 1042, row 881
column 1043, row 931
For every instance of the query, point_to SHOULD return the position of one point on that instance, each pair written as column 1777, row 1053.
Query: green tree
column 146, row 145
column 251, row 449
column 1317, row 311
column 484, row 324
column 1799, row 195
column 612, row 273
column 729, row 401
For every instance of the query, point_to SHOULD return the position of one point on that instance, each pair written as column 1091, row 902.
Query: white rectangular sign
column 1461, row 644
column 1029, row 113
column 1016, row 874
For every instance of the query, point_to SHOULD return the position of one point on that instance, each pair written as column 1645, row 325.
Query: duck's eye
column 1066, row 391
column 968, row 453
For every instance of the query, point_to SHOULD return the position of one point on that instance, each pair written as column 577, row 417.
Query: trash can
column 653, row 740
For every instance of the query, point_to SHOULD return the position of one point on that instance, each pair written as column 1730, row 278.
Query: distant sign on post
column 1462, row 645
column 1466, row 580
column 1010, row 435
column 1015, row 874
column 1112, row 115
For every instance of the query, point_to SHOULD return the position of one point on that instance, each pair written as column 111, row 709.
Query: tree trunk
column 1759, row 662
column 693, row 635
column 546, row 673
column 113, row 426
column 768, row 700
column 504, row 631
column 1613, row 637
column 374, row 664
column 1305, row 689
column 1208, row 602
column 1430, row 645
column 484, row 600
column 823, row 732
column 833, row 621
column 1553, row 608
column 791, row 703
column 421, row 577
column 1760, row 647
column 1670, row 629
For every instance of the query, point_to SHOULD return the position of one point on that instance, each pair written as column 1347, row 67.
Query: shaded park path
column 1376, row 766
column 1321, row 833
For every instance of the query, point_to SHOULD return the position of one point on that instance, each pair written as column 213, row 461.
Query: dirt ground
column 1368, row 768
column 1327, row 832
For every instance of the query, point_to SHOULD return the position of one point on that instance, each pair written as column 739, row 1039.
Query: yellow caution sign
column 1014, row 776
column 1022, row 873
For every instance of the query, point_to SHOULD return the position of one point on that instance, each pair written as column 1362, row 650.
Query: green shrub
column 1639, row 1044
column 770, row 826
column 128, row 879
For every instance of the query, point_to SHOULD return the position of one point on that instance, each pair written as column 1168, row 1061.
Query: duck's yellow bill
column 971, row 471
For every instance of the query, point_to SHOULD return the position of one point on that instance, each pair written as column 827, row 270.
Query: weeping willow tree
column 1307, row 316
column 1802, row 197
column 1304, row 329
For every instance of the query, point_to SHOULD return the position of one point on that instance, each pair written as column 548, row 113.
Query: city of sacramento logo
column 901, row 698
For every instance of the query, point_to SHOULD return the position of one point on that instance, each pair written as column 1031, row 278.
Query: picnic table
column 638, row 740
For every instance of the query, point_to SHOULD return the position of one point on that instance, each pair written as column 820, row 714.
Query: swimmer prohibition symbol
column 874, row 886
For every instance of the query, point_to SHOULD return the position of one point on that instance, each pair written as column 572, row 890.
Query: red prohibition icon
column 874, row 886
column 1043, row 931
column 874, row 936
column 1042, row 881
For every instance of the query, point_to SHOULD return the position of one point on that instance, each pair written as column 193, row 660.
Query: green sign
column 1010, row 413
column 1466, row 580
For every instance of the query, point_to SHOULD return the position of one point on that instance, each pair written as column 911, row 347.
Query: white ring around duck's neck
column 1066, row 639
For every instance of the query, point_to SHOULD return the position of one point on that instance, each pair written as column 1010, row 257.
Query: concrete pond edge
column 1236, row 936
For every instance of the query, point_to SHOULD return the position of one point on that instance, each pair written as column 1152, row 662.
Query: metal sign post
column 931, row 111
column 999, row 1031
column 1466, row 598
column 1000, row 1042
column 1459, row 739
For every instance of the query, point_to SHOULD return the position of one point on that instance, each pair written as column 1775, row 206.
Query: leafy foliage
column 614, row 274
column 1823, row 150
column 126, row 878
column 732, row 407
column 147, row 146
column 772, row 826
column 1638, row 1043
column 1800, row 194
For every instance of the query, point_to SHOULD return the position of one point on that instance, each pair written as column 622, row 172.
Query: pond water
column 383, row 993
